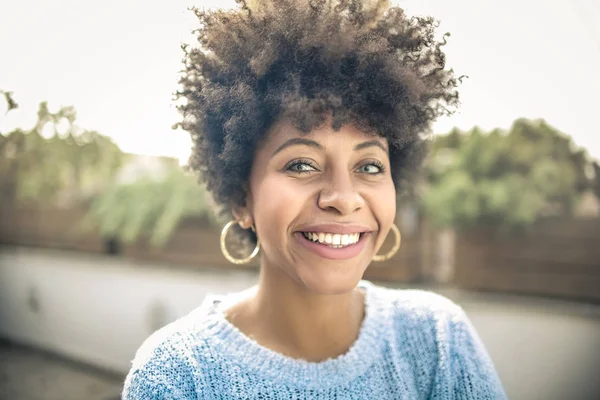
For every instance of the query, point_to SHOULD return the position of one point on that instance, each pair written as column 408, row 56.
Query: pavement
column 31, row 374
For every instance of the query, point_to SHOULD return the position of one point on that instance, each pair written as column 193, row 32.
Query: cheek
column 384, row 203
column 385, row 198
column 276, row 206
column 390, row 203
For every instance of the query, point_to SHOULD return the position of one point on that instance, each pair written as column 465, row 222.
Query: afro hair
column 359, row 62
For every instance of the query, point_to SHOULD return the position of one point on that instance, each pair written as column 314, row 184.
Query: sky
column 118, row 63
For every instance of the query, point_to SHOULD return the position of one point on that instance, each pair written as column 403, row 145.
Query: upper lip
column 335, row 228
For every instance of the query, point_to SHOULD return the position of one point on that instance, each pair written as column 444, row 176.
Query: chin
column 331, row 280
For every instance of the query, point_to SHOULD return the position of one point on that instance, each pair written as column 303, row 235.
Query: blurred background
column 104, row 238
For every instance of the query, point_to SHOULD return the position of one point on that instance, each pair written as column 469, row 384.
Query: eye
column 300, row 166
column 372, row 168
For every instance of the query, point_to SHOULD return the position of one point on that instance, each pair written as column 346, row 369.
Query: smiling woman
column 322, row 203
column 308, row 118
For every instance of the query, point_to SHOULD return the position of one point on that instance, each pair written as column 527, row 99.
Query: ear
column 243, row 217
column 244, row 214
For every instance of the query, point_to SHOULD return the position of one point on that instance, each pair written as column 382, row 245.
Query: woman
column 308, row 120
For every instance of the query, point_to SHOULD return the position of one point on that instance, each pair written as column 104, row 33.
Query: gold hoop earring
column 226, row 253
column 394, row 250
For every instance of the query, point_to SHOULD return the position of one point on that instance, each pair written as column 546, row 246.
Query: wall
column 97, row 309
column 557, row 257
column 56, row 228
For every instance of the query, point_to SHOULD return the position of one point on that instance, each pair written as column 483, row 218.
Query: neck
column 311, row 326
column 284, row 316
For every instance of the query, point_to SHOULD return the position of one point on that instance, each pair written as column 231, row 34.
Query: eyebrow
column 316, row 145
column 298, row 141
column 370, row 143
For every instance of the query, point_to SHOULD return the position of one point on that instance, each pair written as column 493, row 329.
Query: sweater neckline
column 234, row 345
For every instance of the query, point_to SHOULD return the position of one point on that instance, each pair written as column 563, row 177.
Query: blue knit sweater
column 412, row 345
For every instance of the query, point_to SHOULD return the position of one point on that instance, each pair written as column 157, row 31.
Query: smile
column 333, row 246
column 334, row 240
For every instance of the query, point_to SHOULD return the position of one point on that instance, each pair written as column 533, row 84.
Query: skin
column 307, row 306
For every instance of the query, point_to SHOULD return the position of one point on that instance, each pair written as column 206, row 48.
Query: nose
column 339, row 194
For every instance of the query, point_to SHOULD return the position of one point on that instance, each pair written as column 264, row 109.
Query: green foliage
column 57, row 162
column 148, row 205
column 503, row 180
column 64, row 165
column 596, row 179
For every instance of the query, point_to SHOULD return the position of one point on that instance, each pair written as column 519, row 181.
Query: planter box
column 48, row 227
column 558, row 257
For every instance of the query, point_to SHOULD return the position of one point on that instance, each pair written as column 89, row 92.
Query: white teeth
column 333, row 239
column 337, row 239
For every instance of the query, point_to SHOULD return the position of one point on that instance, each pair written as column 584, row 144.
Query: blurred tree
column 596, row 179
column 152, row 205
column 59, row 163
column 56, row 161
column 11, row 104
column 7, row 152
column 503, row 180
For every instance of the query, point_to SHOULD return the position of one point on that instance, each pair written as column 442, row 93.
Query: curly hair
column 355, row 61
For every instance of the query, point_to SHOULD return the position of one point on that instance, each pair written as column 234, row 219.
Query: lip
column 335, row 228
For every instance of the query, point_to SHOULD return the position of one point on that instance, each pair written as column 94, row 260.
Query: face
column 322, row 204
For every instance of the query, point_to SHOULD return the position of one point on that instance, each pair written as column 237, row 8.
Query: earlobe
column 243, row 217
column 246, row 222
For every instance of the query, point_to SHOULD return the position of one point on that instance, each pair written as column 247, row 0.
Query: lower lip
column 342, row 253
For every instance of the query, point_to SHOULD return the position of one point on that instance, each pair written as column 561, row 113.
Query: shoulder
column 422, row 320
column 444, row 343
column 167, row 365
column 419, row 306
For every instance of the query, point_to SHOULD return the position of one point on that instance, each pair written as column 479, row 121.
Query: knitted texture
column 412, row 344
